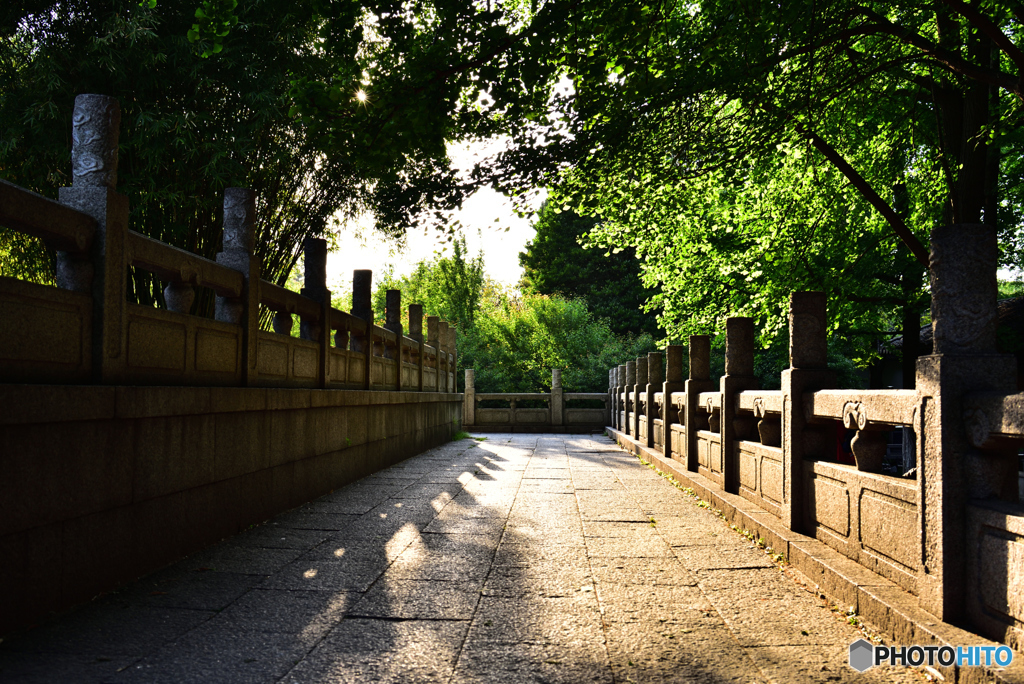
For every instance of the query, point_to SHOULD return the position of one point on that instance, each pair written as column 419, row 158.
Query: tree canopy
column 555, row 262
column 511, row 338
column 743, row 150
column 325, row 109
column 749, row 150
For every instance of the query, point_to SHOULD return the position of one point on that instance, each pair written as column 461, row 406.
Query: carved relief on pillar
column 95, row 129
column 964, row 288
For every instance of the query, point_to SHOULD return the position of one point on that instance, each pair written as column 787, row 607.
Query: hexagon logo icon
column 862, row 655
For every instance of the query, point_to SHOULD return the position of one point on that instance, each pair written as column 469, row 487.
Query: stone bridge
column 228, row 504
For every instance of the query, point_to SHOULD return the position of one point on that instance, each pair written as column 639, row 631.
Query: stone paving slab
column 521, row 558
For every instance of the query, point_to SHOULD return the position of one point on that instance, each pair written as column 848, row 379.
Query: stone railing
column 85, row 331
column 949, row 528
column 132, row 436
column 556, row 415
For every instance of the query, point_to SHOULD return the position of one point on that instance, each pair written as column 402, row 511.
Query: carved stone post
column 557, row 398
column 673, row 384
column 629, row 407
column 612, row 372
column 469, row 400
column 621, row 400
column 433, row 328
column 808, row 372
column 443, row 368
column 314, row 283
column 739, row 376
column 416, row 333
column 314, row 286
column 95, row 130
column 699, row 381
column 454, row 356
column 393, row 322
column 616, row 390
column 639, row 390
column 362, row 308
column 239, row 230
column 951, row 471
column 655, row 380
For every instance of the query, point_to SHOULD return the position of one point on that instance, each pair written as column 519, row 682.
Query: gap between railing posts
column 655, row 381
column 639, row 398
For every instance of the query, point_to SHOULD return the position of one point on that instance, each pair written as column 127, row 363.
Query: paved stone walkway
column 522, row 558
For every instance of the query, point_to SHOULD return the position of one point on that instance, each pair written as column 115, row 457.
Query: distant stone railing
column 555, row 416
column 949, row 530
column 85, row 331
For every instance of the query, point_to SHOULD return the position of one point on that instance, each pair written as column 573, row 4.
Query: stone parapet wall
column 104, row 484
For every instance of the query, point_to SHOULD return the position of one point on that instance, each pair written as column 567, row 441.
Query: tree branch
column 895, row 222
column 950, row 60
column 989, row 28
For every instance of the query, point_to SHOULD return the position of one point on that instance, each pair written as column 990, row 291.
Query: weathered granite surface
column 522, row 558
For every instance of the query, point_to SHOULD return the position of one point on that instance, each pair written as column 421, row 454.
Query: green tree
column 190, row 127
column 323, row 108
column 747, row 151
column 449, row 287
column 555, row 262
column 517, row 340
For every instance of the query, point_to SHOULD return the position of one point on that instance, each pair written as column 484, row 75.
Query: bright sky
column 488, row 222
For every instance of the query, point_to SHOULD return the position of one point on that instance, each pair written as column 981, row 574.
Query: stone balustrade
column 556, row 415
column 950, row 519
column 86, row 331
column 132, row 436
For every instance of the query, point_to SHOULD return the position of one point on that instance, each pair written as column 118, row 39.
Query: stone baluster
column 179, row 296
column 393, row 322
column 612, row 372
column 739, row 376
column 655, row 381
column 341, row 338
column 237, row 254
column 620, row 401
column 808, row 371
column 639, row 390
column 416, row 333
column 362, row 308
column 627, row 399
column 442, row 356
column 557, row 398
column 616, row 395
column 95, row 130
column 283, row 323
column 673, row 384
column 433, row 328
column 952, row 467
column 453, row 341
column 469, row 400
column 314, row 287
column 699, row 381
